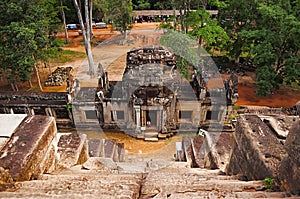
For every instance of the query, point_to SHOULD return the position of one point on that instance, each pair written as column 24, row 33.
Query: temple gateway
column 154, row 101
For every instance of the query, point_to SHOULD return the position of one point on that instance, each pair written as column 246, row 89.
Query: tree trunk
column 199, row 45
column 204, row 4
column 174, row 13
column 238, row 50
column 64, row 21
column 30, row 83
column 87, row 44
column 87, row 20
column 91, row 17
column 181, row 19
column 38, row 77
column 12, row 85
column 188, row 9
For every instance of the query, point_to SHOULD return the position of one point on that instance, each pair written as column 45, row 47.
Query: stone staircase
column 140, row 179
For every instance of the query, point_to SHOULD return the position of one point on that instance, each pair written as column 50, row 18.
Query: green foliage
column 183, row 67
column 269, row 183
column 182, row 45
column 120, row 12
column 207, row 30
column 267, row 79
column 168, row 24
column 26, row 29
column 268, row 33
column 142, row 5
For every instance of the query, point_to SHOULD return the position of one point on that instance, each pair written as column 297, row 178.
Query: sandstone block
column 25, row 154
column 256, row 152
column 218, row 156
column 289, row 168
column 94, row 147
column 199, row 151
column 72, row 149
column 98, row 163
column 5, row 176
column 187, row 148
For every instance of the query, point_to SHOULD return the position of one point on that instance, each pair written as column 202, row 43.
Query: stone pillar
column 138, row 116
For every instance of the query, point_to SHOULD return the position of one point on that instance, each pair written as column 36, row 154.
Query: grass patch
column 68, row 56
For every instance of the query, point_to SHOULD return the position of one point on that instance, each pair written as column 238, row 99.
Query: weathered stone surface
column 109, row 148
column 256, row 152
column 51, row 160
column 94, row 147
column 199, row 151
column 79, row 184
column 218, row 156
column 187, row 148
column 170, row 182
column 3, row 141
column 72, row 149
column 279, row 124
column 98, row 163
column 24, row 155
column 5, row 176
column 121, row 152
column 289, row 168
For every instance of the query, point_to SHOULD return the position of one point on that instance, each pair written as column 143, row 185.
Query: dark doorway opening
column 151, row 117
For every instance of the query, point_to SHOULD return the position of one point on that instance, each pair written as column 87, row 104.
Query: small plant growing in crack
column 269, row 183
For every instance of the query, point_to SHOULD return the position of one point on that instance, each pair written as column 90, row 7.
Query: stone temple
column 154, row 101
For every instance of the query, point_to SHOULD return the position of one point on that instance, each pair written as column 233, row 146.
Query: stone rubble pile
column 59, row 76
column 150, row 54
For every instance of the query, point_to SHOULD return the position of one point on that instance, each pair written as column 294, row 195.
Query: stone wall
column 289, row 167
column 256, row 152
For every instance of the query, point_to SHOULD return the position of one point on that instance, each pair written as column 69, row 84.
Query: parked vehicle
column 101, row 25
column 71, row 27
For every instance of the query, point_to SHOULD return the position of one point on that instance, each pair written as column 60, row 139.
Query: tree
column 26, row 29
column 235, row 17
column 142, row 5
column 276, row 45
column 206, row 30
column 85, row 36
column 266, row 32
column 120, row 12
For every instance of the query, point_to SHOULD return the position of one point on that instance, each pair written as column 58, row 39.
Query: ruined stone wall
column 53, row 104
column 289, row 168
column 256, row 152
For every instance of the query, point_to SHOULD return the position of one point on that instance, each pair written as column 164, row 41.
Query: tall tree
column 120, row 12
column 275, row 46
column 26, row 36
column 63, row 16
column 206, row 30
column 266, row 32
column 238, row 16
column 86, row 39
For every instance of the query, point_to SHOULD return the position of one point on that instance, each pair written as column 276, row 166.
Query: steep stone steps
column 79, row 184
column 170, row 182
column 142, row 179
